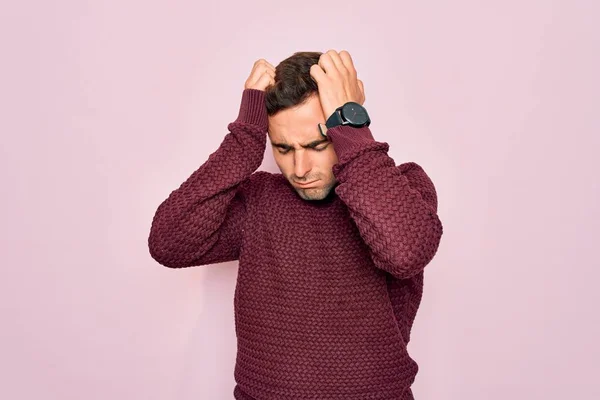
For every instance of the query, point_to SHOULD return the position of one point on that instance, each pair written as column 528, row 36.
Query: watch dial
column 354, row 113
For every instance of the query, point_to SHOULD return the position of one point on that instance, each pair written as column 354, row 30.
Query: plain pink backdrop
column 107, row 106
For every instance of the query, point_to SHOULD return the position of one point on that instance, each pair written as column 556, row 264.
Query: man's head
column 302, row 154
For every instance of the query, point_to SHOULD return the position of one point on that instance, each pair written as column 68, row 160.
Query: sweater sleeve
column 394, row 207
column 201, row 222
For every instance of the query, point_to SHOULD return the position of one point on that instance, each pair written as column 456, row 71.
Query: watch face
column 355, row 114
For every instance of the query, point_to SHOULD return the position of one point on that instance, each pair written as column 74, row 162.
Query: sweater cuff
column 253, row 109
column 348, row 140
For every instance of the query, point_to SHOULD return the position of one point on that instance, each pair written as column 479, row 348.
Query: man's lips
column 304, row 184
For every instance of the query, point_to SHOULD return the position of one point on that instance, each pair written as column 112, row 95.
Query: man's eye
column 312, row 148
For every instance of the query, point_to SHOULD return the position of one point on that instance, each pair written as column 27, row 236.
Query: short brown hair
column 293, row 83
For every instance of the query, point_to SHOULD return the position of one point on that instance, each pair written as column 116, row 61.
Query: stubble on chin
column 315, row 194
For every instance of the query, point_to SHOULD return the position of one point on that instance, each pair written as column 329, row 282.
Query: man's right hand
column 262, row 75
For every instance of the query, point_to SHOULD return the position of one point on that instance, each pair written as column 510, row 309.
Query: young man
column 331, row 250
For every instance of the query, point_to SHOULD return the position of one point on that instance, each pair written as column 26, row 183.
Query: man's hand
column 262, row 75
column 336, row 78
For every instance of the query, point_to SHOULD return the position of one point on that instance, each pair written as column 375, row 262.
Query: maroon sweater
column 327, row 290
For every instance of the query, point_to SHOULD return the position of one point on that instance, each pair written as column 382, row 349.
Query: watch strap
column 335, row 119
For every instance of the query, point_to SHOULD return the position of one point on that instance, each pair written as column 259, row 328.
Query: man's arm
column 201, row 222
column 394, row 207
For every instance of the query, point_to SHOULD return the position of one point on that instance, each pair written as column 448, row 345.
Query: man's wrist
column 253, row 109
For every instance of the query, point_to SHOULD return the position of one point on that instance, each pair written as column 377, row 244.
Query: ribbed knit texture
column 327, row 291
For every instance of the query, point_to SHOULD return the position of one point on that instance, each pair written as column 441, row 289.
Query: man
column 331, row 250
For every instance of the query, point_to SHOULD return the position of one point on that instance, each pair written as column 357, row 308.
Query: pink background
column 107, row 106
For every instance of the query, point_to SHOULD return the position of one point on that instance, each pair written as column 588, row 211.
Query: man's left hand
column 337, row 81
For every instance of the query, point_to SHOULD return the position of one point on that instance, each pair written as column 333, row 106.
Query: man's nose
column 301, row 164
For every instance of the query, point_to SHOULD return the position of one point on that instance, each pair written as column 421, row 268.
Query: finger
column 317, row 73
column 263, row 68
column 257, row 63
column 269, row 64
column 362, row 89
column 271, row 72
column 337, row 61
column 348, row 63
column 258, row 74
column 262, row 63
column 327, row 65
column 263, row 81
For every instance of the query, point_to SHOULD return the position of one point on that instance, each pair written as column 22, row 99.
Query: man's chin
column 314, row 193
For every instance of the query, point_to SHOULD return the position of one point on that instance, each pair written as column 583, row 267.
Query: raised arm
column 394, row 207
column 201, row 222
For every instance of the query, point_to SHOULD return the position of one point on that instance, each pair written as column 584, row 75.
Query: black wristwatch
column 351, row 113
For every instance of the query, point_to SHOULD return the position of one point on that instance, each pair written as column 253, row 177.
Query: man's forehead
column 297, row 124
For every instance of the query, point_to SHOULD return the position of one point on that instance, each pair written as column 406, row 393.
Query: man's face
column 289, row 131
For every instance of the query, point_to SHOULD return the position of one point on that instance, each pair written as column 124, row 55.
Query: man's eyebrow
column 308, row 145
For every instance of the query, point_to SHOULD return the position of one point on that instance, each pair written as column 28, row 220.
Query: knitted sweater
column 326, row 290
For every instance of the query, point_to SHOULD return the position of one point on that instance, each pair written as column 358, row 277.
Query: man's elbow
column 161, row 253
column 410, row 260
